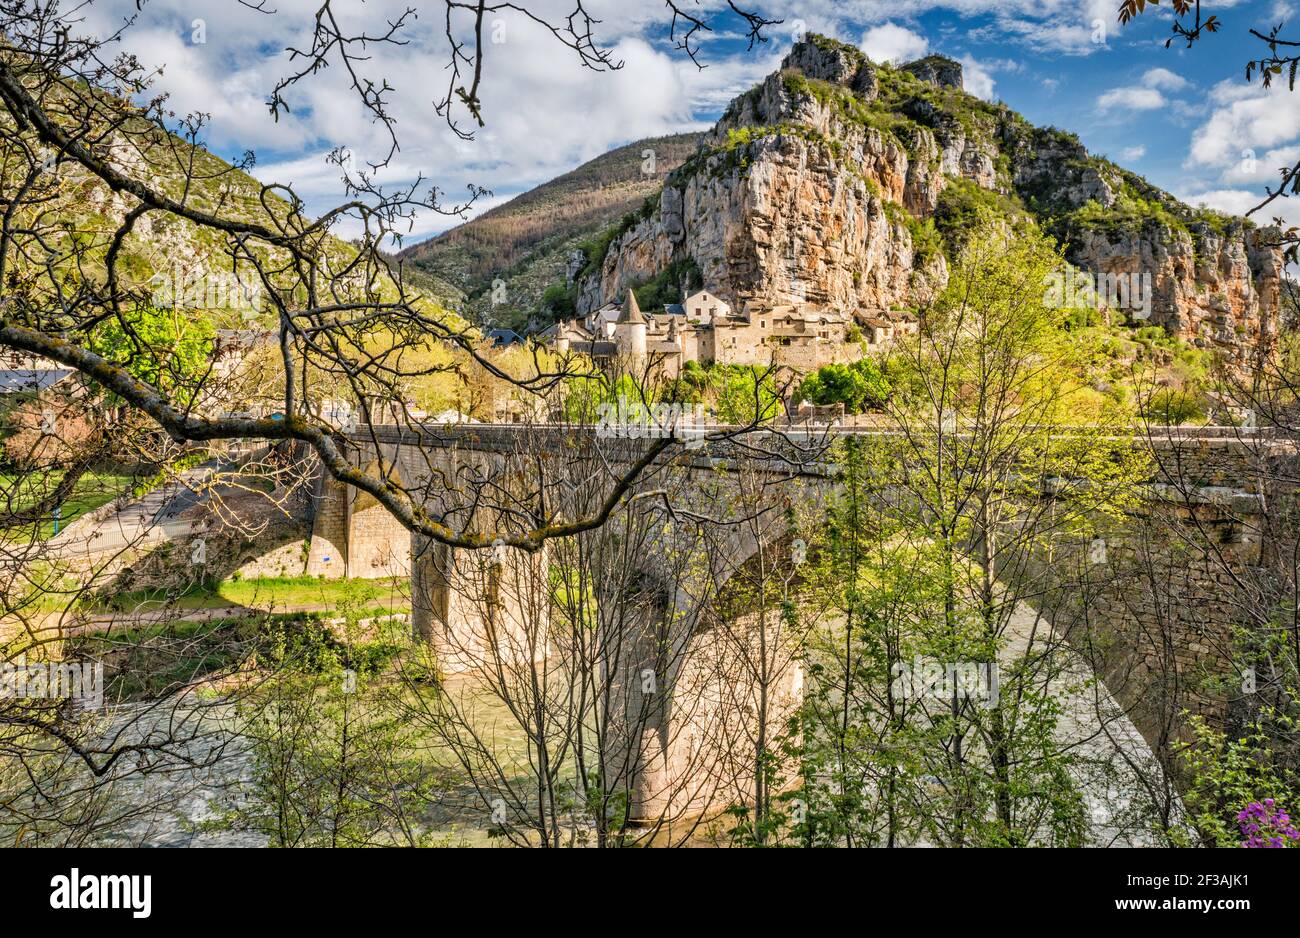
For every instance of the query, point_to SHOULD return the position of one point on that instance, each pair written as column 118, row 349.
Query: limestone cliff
column 845, row 183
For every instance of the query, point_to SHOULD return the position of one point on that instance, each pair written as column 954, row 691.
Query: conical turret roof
column 631, row 314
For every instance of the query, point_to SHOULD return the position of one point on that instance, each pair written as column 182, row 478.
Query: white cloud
column 1241, row 201
column 890, row 42
column 976, row 78
column 1132, row 154
column 1131, row 99
column 545, row 113
column 1147, row 96
column 1249, row 120
column 1065, row 27
column 1164, row 79
column 1232, row 201
column 1260, row 168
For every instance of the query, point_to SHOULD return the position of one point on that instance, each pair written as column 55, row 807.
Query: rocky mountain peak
column 937, row 70
column 836, row 63
column 849, row 185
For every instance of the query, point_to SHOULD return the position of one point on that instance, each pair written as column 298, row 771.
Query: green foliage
column 585, row 395
column 179, row 465
column 597, row 249
column 93, row 490
column 169, row 349
column 909, row 101
column 736, row 152
column 1226, row 774
column 336, row 761
column 965, row 207
column 735, row 394
column 882, row 766
column 982, row 393
column 149, row 661
column 667, row 286
column 690, row 387
column 860, row 386
column 744, row 394
column 559, row 302
column 927, row 242
column 1218, row 222
column 1171, row 407
column 1084, row 317
column 827, row 44
column 848, row 107
column 1129, row 213
column 305, row 643
column 332, row 767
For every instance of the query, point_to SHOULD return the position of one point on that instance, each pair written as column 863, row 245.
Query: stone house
column 704, row 307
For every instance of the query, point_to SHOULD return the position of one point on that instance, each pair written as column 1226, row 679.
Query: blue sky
column 1185, row 118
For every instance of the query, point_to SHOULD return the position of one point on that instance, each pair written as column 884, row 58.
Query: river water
column 172, row 807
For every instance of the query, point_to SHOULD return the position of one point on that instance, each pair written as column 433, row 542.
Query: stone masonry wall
column 1153, row 600
column 327, row 555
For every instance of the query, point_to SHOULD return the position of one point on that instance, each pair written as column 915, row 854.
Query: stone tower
column 563, row 340
column 630, row 332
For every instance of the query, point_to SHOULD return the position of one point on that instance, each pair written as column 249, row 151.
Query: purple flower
column 1262, row 826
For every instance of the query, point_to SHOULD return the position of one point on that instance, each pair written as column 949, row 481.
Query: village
column 704, row 329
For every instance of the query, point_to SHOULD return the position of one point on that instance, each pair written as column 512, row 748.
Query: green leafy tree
column 985, row 414
column 169, row 349
column 860, row 386
column 744, row 395
column 335, row 762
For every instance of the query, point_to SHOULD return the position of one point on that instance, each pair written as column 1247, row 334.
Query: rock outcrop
column 824, row 185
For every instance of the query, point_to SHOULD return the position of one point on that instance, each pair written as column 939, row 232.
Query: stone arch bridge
column 676, row 718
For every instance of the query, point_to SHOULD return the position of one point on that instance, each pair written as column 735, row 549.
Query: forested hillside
column 526, row 242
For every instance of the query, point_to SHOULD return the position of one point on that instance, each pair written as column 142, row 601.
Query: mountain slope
column 526, row 242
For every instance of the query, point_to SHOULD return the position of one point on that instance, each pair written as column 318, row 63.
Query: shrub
column 560, row 301
column 668, row 285
column 964, row 207
column 1171, row 406
column 860, row 386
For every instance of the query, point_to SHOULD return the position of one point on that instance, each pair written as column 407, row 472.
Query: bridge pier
column 354, row 536
column 636, row 668
column 479, row 608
